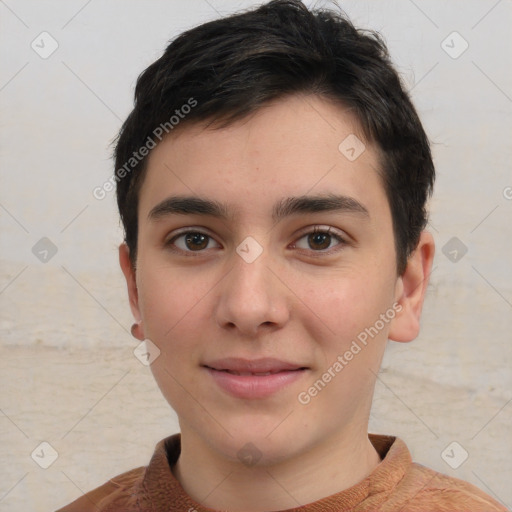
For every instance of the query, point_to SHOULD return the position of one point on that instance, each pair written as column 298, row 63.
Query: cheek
column 171, row 305
column 341, row 317
column 172, row 308
column 343, row 305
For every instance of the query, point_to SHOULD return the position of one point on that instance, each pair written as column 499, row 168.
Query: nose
column 252, row 299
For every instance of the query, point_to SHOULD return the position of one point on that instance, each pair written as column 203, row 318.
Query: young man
column 272, row 181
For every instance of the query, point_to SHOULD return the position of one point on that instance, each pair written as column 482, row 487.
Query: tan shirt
column 396, row 484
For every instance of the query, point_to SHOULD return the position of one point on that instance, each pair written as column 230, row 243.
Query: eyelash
column 317, row 229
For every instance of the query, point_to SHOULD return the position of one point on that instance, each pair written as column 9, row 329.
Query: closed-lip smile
column 253, row 378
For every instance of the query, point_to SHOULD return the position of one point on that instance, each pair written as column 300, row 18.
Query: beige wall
column 68, row 375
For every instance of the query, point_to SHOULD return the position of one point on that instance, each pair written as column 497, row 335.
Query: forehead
column 296, row 146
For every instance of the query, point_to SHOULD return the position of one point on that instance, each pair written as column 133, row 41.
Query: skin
column 298, row 301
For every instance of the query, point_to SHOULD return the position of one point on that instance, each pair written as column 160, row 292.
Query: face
column 253, row 296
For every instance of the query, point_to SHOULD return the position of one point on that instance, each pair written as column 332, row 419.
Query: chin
column 256, row 443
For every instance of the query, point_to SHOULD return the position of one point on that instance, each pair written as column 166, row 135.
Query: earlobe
column 411, row 289
column 131, row 284
column 137, row 332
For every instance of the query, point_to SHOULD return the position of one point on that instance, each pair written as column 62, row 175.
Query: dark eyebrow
column 189, row 205
column 314, row 204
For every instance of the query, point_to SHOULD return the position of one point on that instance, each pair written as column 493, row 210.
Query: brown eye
column 320, row 241
column 191, row 241
column 195, row 241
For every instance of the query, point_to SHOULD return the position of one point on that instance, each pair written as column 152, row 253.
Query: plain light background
column 68, row 374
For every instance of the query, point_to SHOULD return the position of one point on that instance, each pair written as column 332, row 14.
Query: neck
column 335, row 464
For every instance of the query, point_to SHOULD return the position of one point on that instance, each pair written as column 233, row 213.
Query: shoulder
column 135, row 489
column 422, row 489
column 118, row 491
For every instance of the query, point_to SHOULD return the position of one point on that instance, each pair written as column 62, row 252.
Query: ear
column 133, row 296
column 410, row 290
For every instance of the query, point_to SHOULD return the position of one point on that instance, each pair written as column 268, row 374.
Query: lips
column 244, row 374
column 264, row 366
column 251, row 379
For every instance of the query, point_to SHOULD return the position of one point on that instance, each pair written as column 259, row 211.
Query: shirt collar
column 160, row 490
